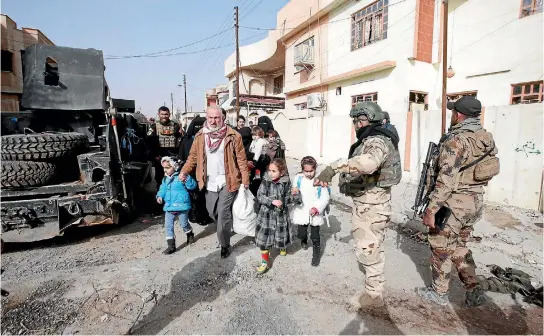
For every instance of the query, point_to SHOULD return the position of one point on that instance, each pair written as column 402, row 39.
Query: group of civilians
column 219, row 157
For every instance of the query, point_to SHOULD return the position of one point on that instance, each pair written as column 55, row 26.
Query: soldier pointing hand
column 367, row 175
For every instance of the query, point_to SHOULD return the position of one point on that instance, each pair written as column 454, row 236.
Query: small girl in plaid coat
column 273, row 222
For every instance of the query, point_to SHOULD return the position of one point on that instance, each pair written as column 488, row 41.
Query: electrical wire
column 172, row 49
column 180, row 53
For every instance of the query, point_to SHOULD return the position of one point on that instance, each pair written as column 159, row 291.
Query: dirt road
column 117, row 281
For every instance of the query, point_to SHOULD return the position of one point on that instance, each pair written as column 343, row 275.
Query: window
column 364, row 97
column 338, row 90
column 301, row 106
column 235, row 88
column 530, row 7
column 51, row 74
column 278, row 85
column 455, row 96
column 417, row 97
column 527, row 93
column 304, row 54
column 369, row 25
column 7, row 60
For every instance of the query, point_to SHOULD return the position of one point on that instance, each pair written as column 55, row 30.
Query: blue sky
column 132, row 27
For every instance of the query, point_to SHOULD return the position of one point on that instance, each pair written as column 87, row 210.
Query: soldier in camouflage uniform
column 164, row 139
column 372, row 167
column 460, row 187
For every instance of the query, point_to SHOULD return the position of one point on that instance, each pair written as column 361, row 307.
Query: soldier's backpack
column 486, row 166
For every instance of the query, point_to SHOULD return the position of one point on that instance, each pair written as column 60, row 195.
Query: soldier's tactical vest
column 482, row 163
column 166, row 134
column 389, row 174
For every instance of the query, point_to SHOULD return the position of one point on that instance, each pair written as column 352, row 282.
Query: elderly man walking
column 219, row 157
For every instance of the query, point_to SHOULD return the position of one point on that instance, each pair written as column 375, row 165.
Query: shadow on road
column 372, row 322
column 202, row 280
column 486, row 319
column 78, row 235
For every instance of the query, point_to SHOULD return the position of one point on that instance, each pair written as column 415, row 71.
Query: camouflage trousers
column 368, row 227
column 448, row 247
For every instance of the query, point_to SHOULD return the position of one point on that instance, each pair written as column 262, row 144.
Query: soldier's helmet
column 369, row 109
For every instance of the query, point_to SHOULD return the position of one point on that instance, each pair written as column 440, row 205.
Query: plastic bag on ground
column 243, row 213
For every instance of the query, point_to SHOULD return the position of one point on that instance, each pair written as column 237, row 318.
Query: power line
column 180, row 53
column 172, row 49
column 252, row 9
column 167, row 55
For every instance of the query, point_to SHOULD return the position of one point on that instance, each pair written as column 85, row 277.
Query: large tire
column 41, row 146
column 16, row 174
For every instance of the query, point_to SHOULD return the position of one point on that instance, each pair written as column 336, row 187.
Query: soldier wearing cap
column 372, row 167
column 466, row 163
column 164, row 139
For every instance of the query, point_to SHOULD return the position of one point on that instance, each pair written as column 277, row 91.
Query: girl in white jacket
column 312, row 210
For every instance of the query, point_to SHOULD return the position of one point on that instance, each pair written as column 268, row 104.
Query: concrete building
column 217, row 95
column 14, row 41
column 261, row 79
column 389, row 51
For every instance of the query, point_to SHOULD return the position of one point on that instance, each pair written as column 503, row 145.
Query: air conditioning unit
column 313, row 101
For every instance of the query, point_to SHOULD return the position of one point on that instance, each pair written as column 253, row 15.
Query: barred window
column 369, row 25
column 278, row 85
column 304, row 54
column 527, row 93
column 364, row 97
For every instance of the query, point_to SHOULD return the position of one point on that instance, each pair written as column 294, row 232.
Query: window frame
column 10, row 60
column 303, row 106
column 278, row 89
column 363, row 15
column 301, row 59
column 372, row 95
column 425, row 98
column 532, row 9
column 471, row 93
column 539, row 94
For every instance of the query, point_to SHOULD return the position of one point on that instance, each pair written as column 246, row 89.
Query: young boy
column 174, row 194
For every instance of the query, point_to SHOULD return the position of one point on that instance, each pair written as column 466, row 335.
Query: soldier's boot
column 475, row 297
column 364, row 300
column 429, row 294
column 368, row 301
column 171, row 246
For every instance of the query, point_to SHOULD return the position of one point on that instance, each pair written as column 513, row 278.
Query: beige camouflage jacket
column 367, row 159
column 464, row 201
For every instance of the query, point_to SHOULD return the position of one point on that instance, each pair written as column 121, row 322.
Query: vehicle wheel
column 26, row 173
column 41, row 146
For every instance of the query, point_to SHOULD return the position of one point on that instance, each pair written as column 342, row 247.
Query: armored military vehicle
column 72, row 156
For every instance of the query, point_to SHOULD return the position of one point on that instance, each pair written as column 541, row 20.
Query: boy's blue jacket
column 175, row 194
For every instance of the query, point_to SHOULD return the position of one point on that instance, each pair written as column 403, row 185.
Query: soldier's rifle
column 427, row 180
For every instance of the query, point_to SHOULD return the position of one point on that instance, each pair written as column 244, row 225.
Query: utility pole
column 172, row 101
column 185, row 89
column 237, row 63
column 444, row 63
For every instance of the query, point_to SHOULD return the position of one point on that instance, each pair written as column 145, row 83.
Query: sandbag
column 243, row 213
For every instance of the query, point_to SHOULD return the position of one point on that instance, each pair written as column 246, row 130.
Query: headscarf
column 214, row 138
